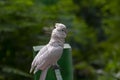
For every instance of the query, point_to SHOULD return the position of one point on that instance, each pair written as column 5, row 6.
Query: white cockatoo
column 51, row 52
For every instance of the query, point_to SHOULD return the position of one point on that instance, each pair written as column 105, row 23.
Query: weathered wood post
column 66, row 69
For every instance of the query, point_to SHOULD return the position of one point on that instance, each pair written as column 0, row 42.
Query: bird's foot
column 55, row 67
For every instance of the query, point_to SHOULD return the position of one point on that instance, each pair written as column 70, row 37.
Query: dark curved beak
column 66, row 31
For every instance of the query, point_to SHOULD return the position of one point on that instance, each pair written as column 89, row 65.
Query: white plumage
column 50, row 53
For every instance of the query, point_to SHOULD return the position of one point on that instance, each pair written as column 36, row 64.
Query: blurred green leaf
column 15, row 71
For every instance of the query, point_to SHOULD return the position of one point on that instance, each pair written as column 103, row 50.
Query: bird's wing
column 38, row 57
column 49, row 58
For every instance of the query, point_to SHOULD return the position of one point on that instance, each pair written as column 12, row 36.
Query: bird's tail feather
column 43, row 74
column 31, row 70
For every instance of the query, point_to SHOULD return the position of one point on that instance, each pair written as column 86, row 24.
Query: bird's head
column 59, row 31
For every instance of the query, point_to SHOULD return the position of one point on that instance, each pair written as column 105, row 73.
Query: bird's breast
column 55, row 52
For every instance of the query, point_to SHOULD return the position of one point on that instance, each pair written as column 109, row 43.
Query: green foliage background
column 93, row 33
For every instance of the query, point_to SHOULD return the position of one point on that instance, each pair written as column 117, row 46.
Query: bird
column 51, row 52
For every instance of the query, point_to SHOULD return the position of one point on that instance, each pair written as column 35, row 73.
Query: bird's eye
column 62, row 29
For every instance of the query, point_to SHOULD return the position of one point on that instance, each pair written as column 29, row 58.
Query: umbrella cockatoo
column 51, row 52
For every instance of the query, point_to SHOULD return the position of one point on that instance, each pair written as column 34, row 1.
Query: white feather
column 50, row 53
